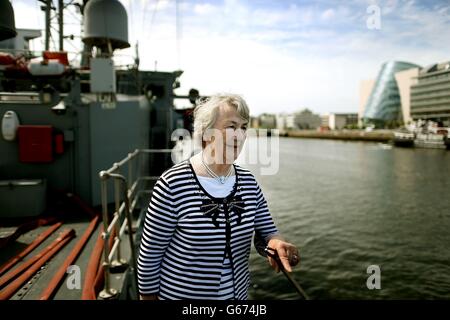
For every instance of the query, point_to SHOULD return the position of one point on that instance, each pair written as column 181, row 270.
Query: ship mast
column 55, row 16
column 48, row 7
column 61, row 24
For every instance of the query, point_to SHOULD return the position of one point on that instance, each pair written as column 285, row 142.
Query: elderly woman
column 203, row 213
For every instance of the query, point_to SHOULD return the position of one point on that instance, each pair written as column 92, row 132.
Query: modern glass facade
column 384, row 103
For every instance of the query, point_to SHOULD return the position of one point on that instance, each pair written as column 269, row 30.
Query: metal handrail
column 129, row 190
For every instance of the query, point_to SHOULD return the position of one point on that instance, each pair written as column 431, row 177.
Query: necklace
column 221, row 179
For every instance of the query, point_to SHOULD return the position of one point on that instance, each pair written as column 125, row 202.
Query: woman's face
column 232, row 130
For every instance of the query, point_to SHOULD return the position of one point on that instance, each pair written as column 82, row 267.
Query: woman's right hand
column 149, row 297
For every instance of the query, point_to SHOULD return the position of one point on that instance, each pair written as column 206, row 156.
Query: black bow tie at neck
column 211, row 208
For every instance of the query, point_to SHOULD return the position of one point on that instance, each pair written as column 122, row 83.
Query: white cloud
column 204, row 8
column 283, row 56
column 287, row 58
column 328, row 14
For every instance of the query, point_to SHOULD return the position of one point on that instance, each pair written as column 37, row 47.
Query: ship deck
column 69, row 288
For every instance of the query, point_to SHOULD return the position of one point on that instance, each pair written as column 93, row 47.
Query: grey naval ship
column 80, row 148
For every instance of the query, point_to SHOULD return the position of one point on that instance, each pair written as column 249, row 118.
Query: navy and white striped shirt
column 188, row 234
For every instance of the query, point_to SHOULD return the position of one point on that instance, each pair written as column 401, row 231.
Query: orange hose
column 44, row 235
column 19, row 270
column 95, row 286
column 54, row 283
column 25, row 227
column 60, row 242
column 92, row 268
column 99, row 281
column 94, row 272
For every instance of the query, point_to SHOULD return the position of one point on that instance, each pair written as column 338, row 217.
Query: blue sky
column 282, row 56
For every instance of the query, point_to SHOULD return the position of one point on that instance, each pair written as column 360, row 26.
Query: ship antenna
column 136, row 57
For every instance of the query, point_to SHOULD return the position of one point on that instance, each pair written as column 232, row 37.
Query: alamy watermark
column 374, row 280
column 255, row 146
column 73, row 278
column 373, row 22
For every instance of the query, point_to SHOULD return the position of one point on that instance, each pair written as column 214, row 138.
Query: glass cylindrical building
column 384, row 103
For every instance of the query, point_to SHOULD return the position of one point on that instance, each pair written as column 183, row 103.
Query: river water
column 350, row 205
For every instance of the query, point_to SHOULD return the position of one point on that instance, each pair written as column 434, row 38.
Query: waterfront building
column 338, row 121
column 384, row 103
column 285, row 121
column 365, row 88
column 306, row 119
column 325, row 121
column 405, row 79
column 267, row 121
column 430, row 94
column 254, row 122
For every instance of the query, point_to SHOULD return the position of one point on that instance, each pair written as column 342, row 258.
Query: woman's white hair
column 207, row 110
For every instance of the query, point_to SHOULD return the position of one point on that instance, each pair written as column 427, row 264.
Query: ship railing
column 128, row 182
